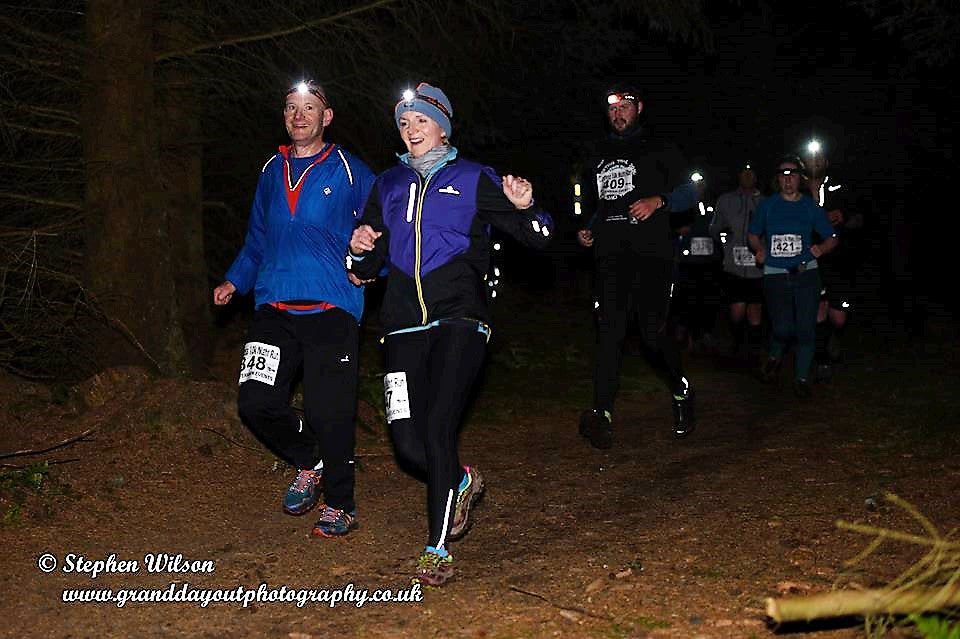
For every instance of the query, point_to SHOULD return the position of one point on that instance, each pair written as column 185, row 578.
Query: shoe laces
column 332, row 515
column 462, row 493
column 305, row 480
column 431, row 561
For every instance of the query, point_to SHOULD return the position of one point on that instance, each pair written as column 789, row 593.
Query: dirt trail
column 655, row 538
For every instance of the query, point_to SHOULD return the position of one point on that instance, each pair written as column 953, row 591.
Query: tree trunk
column 181, row 170
column 128, row 256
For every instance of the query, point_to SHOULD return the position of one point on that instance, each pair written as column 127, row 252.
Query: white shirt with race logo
column 615, row 179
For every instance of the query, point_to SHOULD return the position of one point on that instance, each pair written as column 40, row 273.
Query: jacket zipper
column 417, row 234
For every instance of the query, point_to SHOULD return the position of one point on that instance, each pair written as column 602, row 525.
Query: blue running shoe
column 466, row 498
column 334, row 522
column 304, row 492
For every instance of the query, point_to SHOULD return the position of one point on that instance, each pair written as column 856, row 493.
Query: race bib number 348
column 786, row 245
column 260, row 363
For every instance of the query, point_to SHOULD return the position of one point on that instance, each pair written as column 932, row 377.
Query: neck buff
column 425, row 162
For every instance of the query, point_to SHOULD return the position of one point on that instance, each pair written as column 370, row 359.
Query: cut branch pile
column 932, row 584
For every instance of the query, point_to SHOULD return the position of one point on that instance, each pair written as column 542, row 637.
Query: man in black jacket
column 635, row 182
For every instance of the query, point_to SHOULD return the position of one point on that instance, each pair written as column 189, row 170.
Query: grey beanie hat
column 430, row 101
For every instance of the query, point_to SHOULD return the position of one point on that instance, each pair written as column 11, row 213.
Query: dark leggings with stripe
column 440, row 365
column 632, row 286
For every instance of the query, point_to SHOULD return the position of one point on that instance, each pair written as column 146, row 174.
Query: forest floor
column 653, row 538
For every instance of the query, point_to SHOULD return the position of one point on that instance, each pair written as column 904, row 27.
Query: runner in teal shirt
column 781, row 235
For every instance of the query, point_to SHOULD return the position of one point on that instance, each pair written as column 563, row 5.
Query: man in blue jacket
column 307, row 311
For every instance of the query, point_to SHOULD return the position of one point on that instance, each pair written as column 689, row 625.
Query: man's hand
column 223, row 293
column 760, row 256
column 519, row 191
column 585, row 237
column 645, row 207
column 356, row 281
column 363, row 239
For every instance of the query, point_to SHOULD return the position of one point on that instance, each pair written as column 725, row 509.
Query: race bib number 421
column 260, row 363
column 786, row 245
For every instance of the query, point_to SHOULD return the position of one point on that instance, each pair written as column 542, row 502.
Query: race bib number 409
column 396, row 399
column 260, row 363
column 615, row 179
column 786, row 245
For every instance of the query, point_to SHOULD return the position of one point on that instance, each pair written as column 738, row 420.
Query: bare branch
column 274, row 34
column 57, row 40
column 47, row 112
column 38, row 451
column 41, row 200
column 39, row 131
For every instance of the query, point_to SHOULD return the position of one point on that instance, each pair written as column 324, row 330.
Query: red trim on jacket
column 293, row 190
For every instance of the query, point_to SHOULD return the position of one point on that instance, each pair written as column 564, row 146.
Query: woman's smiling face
column 419, row 132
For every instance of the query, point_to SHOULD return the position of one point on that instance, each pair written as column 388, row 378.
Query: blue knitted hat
column 428, row 100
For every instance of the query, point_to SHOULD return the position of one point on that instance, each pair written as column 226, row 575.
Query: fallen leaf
column 594, row 585
column 785, row 587
column 571, row 615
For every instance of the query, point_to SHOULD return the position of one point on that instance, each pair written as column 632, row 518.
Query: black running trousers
column 627, row 286
column 324, row 346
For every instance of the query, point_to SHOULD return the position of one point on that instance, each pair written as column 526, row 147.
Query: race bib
column 396, row 400
column 786, row 245
column 615, row 179
column 743, row 257
column 701, row 246
column 260, row 363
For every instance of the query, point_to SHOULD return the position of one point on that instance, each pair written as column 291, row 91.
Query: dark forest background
column 132, row 132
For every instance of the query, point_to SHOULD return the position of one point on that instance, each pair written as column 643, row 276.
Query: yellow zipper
column 416, row 266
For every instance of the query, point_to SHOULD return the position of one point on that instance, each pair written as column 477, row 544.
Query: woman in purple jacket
column 427, row 220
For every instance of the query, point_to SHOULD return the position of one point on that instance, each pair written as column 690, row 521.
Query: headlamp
column 617, row 97
column 813, row 147
column 305, row 87
column 409, row 96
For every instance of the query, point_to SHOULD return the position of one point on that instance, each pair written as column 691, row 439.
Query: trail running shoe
column 465, row 500
column 304, row 492
column 433, row 570
column 684, row 418
column 770, row 370
column 334, row 522
column 823, row 373
column 801, row 388
column 597, row 428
